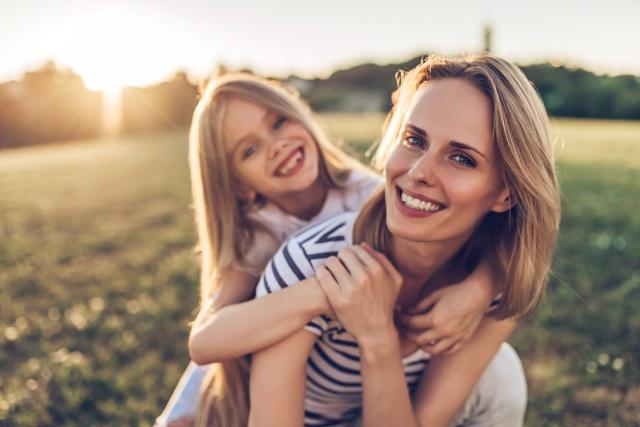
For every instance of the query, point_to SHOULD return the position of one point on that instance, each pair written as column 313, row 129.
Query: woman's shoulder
column 334, row 229
column 300, row 255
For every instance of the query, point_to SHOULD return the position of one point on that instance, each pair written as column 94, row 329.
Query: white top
column 349, row 196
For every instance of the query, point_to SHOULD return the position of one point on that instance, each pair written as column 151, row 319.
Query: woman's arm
column 362, row 286
column 444, row 387
column 260, row 322
column 277, row 382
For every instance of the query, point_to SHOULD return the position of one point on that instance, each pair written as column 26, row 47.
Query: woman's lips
column 413, row 206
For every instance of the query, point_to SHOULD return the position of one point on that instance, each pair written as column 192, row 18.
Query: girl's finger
column 426, row 303
column 419, row 322
column 439, row 347
column 428, row 336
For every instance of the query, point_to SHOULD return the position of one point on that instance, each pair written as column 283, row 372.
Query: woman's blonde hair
column 518, row 243
column 224, row 229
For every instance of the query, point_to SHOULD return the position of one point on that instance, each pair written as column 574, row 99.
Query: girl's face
column 442, row 177
column 270, row 155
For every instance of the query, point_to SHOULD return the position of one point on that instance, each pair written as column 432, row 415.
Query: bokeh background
column 98, row 274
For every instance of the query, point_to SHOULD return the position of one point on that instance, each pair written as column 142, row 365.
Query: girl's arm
column 450, row 380
column 230, row 328
column 443, row 321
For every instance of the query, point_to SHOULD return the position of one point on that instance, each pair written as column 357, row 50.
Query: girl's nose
column 277, row 146
column 424, row 170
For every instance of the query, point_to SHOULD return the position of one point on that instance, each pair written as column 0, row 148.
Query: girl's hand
column 362, row 286
column 443, row 321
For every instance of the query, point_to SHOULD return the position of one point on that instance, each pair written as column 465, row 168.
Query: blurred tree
column 48, row 104
column 167, row 105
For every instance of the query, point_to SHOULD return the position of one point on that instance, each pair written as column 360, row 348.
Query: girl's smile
column 292, row 164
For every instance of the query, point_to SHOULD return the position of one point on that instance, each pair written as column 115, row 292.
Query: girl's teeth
column 291, row 163
column 414, row 203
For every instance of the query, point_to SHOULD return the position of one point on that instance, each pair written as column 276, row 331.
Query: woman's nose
column 424, row 169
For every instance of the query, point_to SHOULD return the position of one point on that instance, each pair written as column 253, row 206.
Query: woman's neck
column 307, row 203
column 424, row 266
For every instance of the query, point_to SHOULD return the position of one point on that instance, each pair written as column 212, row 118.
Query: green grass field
column 98, row 279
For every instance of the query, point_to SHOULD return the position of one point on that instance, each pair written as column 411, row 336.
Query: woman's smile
column 415, row 205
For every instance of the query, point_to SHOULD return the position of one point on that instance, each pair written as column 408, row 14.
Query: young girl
column 261, row 169
column 469, row 173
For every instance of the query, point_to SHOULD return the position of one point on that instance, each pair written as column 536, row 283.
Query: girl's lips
column 411, row 212
column 294, row 169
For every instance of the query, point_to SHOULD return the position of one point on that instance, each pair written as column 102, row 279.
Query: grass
column 98, row 279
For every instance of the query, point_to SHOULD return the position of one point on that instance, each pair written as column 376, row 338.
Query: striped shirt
column 334, row 384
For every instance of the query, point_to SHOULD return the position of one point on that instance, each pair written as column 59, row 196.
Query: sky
column 138, row 42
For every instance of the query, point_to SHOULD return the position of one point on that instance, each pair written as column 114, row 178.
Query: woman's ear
column 504, row 202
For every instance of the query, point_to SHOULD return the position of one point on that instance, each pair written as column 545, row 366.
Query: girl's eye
column 464, row 160
column 280, row 121
column 249, row 151
column 412, row 141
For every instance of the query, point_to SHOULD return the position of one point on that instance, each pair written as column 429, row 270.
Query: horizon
column 340, row 67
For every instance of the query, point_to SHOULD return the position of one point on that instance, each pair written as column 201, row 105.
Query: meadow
column 98, row 279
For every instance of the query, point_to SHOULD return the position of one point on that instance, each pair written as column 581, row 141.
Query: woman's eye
column 412, row 141
column 248, row 152
column 463, row 160
column 280, row 121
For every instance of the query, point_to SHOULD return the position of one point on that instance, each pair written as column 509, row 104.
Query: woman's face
column 442, row 177
column 270, row 155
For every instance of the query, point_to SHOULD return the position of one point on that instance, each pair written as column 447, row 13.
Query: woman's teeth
column 291, row 163
column 414, row 203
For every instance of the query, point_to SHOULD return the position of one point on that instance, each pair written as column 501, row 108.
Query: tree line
column 52, row 104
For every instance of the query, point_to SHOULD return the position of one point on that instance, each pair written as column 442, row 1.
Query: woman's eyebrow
column 456, row 144
column 464, row 146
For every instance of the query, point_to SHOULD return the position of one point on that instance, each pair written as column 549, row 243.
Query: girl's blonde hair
column 518, row 243
column 224, row 230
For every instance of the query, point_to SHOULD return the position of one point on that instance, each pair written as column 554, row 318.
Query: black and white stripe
column 334, row 383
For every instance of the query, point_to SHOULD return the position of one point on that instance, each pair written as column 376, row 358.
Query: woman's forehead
column 452, row 109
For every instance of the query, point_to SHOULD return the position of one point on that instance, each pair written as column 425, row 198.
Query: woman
column 469, row 175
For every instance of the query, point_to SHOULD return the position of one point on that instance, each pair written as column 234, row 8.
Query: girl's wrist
column 319, row 304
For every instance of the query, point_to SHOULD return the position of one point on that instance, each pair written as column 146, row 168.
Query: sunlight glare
column 114, row 51
column 111, row 109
